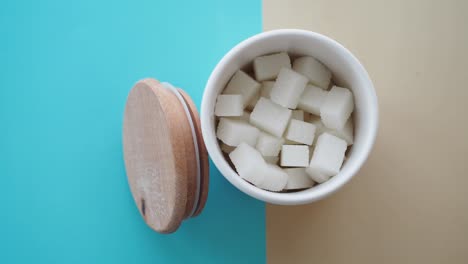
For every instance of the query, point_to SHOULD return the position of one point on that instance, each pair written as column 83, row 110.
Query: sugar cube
column 229, row 105
column 288, row 88
column 233, row 132
column 327, row 157
column 266, row 89
column 298, row 115
column 226, row 148
column 298, row 179
column 249, row 163
column 270, row 117
column 241, row 83
column 267, row 67
column 269, row 145
column 275, row 179
column 314, row 70
column 271, row 159
column 244, row 117
column 337, row 107
column 301, row 132
column 346, row 133
column 312, row 99
column 318, row 177
column 294, row 156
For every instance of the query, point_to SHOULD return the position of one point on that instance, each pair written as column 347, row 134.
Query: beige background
column 409, row 203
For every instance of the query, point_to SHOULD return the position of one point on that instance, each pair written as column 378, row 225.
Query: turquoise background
column 65, row 70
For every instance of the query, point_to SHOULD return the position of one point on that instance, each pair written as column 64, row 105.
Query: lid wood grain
column 159, row 155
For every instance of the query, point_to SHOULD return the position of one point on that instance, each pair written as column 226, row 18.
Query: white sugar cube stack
column 251, row 166
column 301, row 132
column 337, row 107
column 269, row 145
column 314, row 70
column 298, row 179
column 241, row 83
column 234, row 132
column 275, row 179
column 288, row 88
column 284, row 130
column 294, row 156
column 347, row 133
column 267, row 67
column 229, row 105
column 249, row 163
column 270, row 117
column 312, row 99
column 327, row 157
column 296, row 115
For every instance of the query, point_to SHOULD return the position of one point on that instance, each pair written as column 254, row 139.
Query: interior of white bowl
column 347, row 72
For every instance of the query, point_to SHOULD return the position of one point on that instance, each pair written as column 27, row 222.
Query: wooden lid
column 165, row 157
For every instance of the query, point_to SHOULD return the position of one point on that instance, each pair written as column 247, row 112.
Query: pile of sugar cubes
column 287, row 128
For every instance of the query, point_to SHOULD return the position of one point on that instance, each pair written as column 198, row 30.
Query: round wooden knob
column 165, row 157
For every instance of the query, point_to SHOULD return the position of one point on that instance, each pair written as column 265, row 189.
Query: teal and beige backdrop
column 66, row 68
